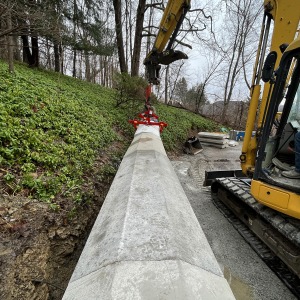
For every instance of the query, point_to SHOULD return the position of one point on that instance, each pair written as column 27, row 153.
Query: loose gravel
column 248, row 276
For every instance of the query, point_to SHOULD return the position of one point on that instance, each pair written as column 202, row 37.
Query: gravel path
column 246, row 273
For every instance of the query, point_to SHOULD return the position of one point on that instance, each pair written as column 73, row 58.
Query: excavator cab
column 276, row 152
column 268, row 203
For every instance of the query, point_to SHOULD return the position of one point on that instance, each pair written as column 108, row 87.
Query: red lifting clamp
column 148, row 118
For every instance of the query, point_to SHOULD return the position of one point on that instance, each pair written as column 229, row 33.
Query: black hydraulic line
column 265, row 35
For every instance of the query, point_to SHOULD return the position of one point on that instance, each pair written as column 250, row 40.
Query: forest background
column 93, row 40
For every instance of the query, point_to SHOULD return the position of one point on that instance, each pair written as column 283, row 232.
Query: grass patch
column 54, row 127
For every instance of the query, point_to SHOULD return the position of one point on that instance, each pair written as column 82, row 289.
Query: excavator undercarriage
column 274, row 236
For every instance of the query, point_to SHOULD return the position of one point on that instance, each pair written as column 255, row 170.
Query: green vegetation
column 180, row 123
column 129, row 90
column 53, row 128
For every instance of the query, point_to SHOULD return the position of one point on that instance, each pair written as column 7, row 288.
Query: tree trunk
column 31, row 58
column 26, row 51
column 61, row 55
column 166, row 84
column 127, row 22
column 48, row 56
column 111, row 65
column 75, row 9
column 105, row 74
column 79, row 75
column 118, row 21
column 10, row 49
column 17, row 54
column 56, row 57
column 224, row 113
column 241, row 115
column 87, row 67
column 94, row 69
column 135, row 63
column 150, row 22
column 101, row 70
column 35, row 52
column 74, row 63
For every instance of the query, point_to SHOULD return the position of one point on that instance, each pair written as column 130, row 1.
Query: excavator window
column 295, row 110
column 276, row 147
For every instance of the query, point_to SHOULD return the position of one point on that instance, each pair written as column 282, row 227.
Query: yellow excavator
column 268, row 202
column 286, row 16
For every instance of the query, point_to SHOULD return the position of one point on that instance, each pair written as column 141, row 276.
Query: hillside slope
column 52, row 128
column 61, row 141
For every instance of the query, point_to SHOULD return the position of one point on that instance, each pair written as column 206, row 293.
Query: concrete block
column 212, row 135
column 214, row 141
column 146, row 242
column 150, row 280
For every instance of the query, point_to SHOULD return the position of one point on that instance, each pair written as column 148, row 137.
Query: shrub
column 129, row 91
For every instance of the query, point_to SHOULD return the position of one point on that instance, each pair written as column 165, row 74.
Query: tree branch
column 158, row 5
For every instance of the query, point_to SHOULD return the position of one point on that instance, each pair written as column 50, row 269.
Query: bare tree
column 10, row 44
column 29, row 20
column 129, row 29
column 6, row 30
column 135, row 63
column 119, row 34
column 241, row 17
column 167, row 97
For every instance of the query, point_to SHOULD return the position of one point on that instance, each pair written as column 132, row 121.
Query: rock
column 63, row 232
column 12, row 210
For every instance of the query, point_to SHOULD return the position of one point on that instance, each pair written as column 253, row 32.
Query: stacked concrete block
column 218, row 140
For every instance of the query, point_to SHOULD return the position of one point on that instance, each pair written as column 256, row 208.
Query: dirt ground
column 39, row 247
column 246, row 273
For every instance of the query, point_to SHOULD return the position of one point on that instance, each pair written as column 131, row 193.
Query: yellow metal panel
column 286, row 16
column 294, row 45
column 273, row 196
column 282, row 200
column 168, row 23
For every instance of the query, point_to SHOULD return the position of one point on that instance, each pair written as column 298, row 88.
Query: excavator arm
column 162, row 51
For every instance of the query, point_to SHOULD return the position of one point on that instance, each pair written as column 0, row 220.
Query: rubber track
column 287, row 226
column 271, row 260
